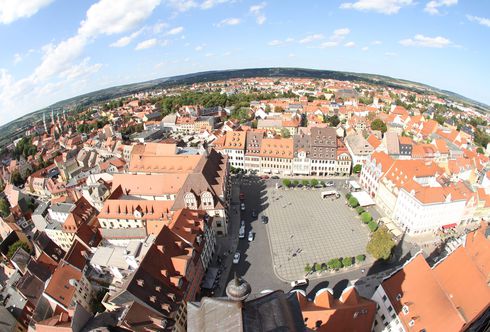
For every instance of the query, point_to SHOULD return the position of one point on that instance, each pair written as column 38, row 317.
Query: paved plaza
column 304, row 228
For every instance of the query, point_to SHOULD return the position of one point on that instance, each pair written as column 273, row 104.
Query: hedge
column 360, row 258
column 373, row 226
column 366, row 217
column 353, row 202
column 347, row 261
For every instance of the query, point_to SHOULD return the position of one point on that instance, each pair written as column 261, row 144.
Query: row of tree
column 334, row 264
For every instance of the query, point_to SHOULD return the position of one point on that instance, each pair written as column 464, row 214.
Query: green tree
column 314, row 182
column 305, row 182
column 286, row 183
column 353, row 202
column 347, row 261
column 295, row 183
column 480, row 150
column 373, row 226
column 360, row 258
column 334, row 264
column 4, row 208
column 16, row 245
column 308, row 268
column 17, row 179
column 285, row 133
column 378, row 124
column 381, row 244
column 366, row 217
column 357, row 168
column 318, row 267
column 360, row 210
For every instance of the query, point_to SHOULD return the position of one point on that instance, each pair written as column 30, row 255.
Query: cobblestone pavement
column 306, row 229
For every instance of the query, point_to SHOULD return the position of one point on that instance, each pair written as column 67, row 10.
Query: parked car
column 301, row 282
column 329, row 184
column 264, row 219
column 251, row 236
column 254, row 214
column 236, row 258
column 242, row 206
column 275, row 177
column 264, row 177
column 242, row 196
column 241, row 232
column 242, row 223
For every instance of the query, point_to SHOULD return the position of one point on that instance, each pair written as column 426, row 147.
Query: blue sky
column 53, row 50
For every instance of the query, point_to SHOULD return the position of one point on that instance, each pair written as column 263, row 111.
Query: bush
column 314, row 182
column 353, row 202
column 373, row 226
column 360, row 258
column 295, row 183
column 16, row 245
column 347, row 261
column 305, row 182
column 286, row 183
column 4, row 208
column 318, row 267
column 381, row 244
column 308, row 268
column 360, row 210
column 322, row 183
column 348, row 196
column 357, row 169
column 334, row 264
column 366, row 217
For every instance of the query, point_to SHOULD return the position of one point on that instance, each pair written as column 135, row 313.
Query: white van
column 241, row 233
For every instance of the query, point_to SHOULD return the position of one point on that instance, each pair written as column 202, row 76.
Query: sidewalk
column 227, row 245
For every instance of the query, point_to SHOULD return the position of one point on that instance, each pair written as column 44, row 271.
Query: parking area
column 306, row 229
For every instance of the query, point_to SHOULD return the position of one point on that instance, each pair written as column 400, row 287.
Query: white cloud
column 81, row 69
column 126, row 40
column 311, row 38
column 258, row 12
column 175, row 31
column 146, row 44
column 158, row 27
column 329, row 44
column 229, row 21
column 340, row 33
column 17, row 58
column 58, row 60
column 387, row 7
column 480, row 20
column 350, row 44
column 207, row 4
column 199, row 48
column 104, row 17
column 391, row 54
column 278, row 42
column 12, row 10
column 423, row 41
column 376, row 42
column 291, row 55
column 181, row 5
column 365, row 48
column 209, row 54
column 432, row 7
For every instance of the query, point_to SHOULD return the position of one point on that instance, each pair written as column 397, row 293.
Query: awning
column 449, row 226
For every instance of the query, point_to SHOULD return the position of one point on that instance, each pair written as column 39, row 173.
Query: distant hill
column 16, row 127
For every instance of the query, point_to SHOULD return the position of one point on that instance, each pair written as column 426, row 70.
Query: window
column 405, row 310
column 384, row 298
column 390, row 308
column 383, row 317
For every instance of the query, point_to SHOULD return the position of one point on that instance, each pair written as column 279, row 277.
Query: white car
column 236, row 258
column 242, row 206
column 241, row 232
column 329, row 184
column 301, row 282
column 242, row 223
column 251, row 236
